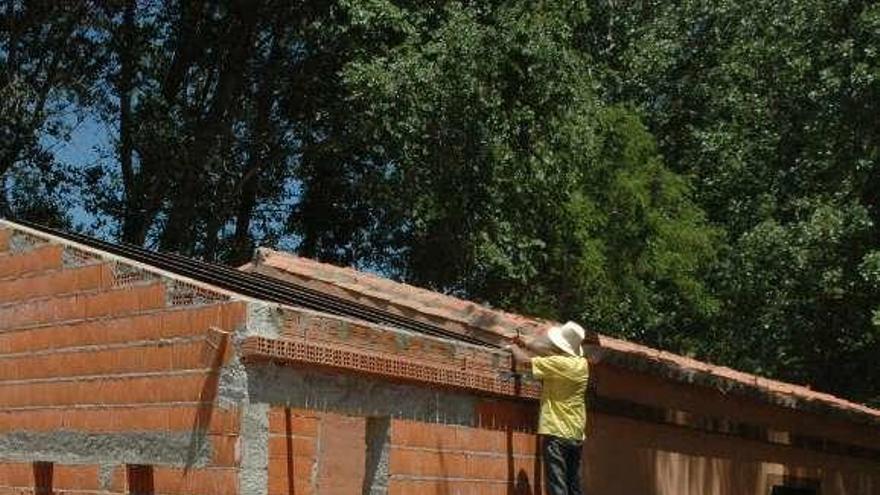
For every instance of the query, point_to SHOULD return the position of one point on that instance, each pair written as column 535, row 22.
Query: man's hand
column 519, row 355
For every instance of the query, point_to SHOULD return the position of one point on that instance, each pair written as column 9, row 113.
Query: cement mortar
column 105, row 477
column 356, row 395
column 253, row 475
column 232, row 383
column 264, row 320
column 20, row 243
column 72, row 447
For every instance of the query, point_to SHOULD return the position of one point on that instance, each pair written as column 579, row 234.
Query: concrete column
column 378, row 440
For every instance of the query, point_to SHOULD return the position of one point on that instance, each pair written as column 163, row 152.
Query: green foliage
column 508, row 180
column 48, row 66
column 701, row 176
column 770, row 108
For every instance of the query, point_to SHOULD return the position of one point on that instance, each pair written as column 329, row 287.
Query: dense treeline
column 700, row 176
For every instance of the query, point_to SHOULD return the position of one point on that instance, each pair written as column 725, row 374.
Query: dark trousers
column 562, row 465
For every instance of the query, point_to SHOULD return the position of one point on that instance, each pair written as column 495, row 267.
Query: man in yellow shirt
column 557, row 359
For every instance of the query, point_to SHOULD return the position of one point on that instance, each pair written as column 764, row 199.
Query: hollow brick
column 57, row 282
column 47, row 257
column 115, row 302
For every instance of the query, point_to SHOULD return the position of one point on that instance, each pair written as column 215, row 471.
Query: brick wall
column 312, row 452
column 496, row 457
column 95, row 349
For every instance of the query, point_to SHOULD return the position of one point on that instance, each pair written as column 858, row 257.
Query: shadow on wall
column 518, row 480
column 679, row 473
column 624, row 456
column 213, row 354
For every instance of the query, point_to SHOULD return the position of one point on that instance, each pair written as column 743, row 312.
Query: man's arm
column 519, row 355
column 538, row 345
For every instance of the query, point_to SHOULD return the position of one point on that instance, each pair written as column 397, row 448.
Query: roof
column 291, row 324
column 343, row 292
column 470, row 318
column 252, row 285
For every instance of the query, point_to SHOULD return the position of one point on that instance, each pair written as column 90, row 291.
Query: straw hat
column 568, row 338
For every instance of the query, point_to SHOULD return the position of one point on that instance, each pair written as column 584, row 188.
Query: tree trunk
column 180, row 232
column 133, row 228
column 248, row 187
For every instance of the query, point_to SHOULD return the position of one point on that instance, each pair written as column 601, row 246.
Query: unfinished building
column 125, row 371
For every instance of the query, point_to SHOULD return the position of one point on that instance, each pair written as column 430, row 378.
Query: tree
column 491, row 169
column 206, row 97
column 48, row 62
column 770, row 108
column 698, row 176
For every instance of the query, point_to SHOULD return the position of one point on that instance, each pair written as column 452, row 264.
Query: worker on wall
column 556, row 357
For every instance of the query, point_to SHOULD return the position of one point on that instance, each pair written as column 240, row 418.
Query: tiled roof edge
column 623, row 353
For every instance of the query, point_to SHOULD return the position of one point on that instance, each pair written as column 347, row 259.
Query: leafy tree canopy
column 698, row 176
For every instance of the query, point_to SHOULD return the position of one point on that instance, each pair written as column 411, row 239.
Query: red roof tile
column 467, row 316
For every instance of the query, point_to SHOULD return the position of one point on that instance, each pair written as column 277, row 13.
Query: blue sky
column 90, row 143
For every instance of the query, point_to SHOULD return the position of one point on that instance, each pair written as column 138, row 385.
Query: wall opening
column 43, row 473
column 788, row 485
column 377, row 439
column 793, row 490
column 140, row 479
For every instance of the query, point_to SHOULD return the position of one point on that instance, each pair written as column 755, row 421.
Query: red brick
column 492, row 467
column 118, row 481
column 341, row 474
column 213, row 481
column 170, row 323
column 224, row 421
column 128, row 390
column 482, row 440
column 524, row 443
column 417, row 434
column 302, row 423
column 116, row 302
column 65, row 478
column 446, row 437
column 415, row 462
column 224, row 450
column 142, row 358
column 53, row 283
column 445, row 487
column 46, row 257
column 68, row 477
column 16, row 474
column 43, row 420
column 292, row 475
column 234, row 314
column 278, row 447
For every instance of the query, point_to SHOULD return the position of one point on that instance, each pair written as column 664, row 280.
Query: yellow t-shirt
column 563, row 406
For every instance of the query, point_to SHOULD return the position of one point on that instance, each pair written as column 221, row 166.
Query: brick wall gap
column 139, row 478
column 43, row 478
column 378, row 445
